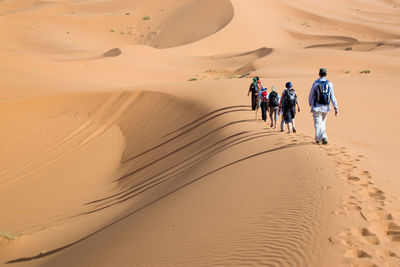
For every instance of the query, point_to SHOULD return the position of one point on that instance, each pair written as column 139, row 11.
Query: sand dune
column 127, row 137
column 169, row 162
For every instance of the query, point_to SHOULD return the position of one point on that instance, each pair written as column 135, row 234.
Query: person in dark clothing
column 253, row 89
column 263, row 97
column 288, row 105
column 274, row 99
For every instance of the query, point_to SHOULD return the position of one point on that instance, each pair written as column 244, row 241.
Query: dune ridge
column 197, row 131
column 178, row 182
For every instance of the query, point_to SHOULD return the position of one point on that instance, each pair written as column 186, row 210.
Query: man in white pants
column 321, row 95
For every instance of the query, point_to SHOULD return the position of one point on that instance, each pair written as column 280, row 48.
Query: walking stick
column 257, row 105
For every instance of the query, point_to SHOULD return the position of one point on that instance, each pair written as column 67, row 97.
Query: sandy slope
column 111, row 157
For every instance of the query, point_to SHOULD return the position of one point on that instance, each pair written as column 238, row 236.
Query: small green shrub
column 244, row 75
column 192, row 79
column 347, row 71
column 8, row 236
column 146, row 18
column 365, row 71
column 112, row 30
column 348, row 48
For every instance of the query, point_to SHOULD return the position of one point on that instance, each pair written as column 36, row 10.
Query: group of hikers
column 285, row 105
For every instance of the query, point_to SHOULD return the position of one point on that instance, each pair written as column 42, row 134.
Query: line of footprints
column 368, row 201
column 378, row 242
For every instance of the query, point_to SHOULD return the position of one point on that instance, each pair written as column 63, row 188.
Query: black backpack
column 290, row 98
column 273, row 99
column 323, row 92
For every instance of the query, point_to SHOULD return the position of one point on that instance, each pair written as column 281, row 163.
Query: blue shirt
column 315, row 106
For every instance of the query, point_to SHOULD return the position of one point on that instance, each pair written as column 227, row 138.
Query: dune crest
column 194, row 21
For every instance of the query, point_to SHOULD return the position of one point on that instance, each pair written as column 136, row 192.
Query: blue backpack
column 323, row 93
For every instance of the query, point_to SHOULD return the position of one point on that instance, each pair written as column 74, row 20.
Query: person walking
column 321, row 95
column 274, row 99
column 280, row 111
column 263, row 97
column 253, row 90
column 288, row 106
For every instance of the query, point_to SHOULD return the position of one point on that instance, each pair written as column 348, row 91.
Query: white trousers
column 320, row 125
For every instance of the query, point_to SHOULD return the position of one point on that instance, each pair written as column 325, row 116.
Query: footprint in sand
column 337, row 212
column 344, row 238
column 356, row 253
column 383, row 253
column 353, row 204
column 352, row 207
column 393, row 232
column 366, row 174
column 368, row 236
column 353, row 178
column 347, row 171
column 389, row 229
column 350, row 199
column 376, row 194
column 364, row 182
column 380, row 214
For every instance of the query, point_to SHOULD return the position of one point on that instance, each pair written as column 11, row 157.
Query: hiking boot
column 272, row 125
column 324, row 141
column 282, row 130
column 317, row 142
column 294, row 129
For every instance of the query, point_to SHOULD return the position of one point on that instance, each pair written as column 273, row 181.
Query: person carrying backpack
column 288, row 105
column 280, row 111
column 253, row 89
column 274, row 99
column 321, row 95
column 263, row 98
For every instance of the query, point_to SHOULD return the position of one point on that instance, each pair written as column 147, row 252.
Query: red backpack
column 264, row 96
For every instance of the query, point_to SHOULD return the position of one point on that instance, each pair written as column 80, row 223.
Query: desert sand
column 127, row 137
